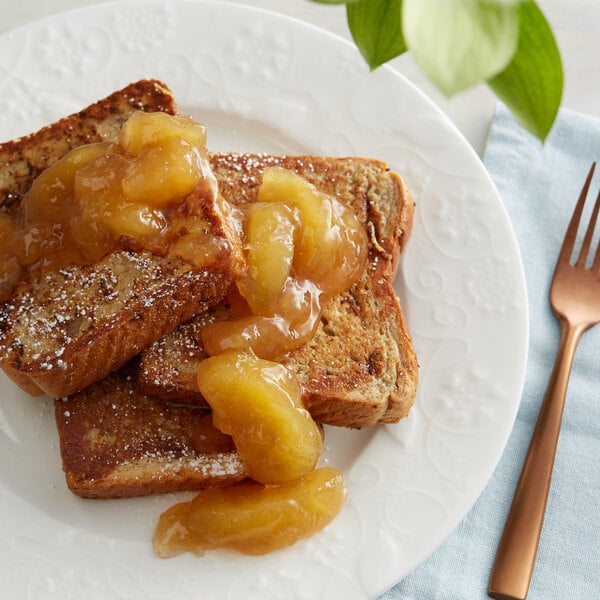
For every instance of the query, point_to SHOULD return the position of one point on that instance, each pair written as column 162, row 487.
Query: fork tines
column 571, row 234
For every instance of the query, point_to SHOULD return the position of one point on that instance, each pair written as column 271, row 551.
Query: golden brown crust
column 116, row 442
column 360, row 368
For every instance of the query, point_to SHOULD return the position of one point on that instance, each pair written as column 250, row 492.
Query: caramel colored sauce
column 302, row 246
column 259, row 404
column 207, row 438
column 143, row 192
column 251, row 518
column 292, row 323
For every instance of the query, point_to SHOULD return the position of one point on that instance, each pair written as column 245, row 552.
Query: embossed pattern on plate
column 263, row 82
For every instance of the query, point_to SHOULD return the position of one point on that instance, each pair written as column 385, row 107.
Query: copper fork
column 575, row 300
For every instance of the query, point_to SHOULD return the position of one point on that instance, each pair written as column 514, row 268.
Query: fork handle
column 515, row 557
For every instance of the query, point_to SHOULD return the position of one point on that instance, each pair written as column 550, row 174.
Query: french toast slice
column 116, row 442
column 70, row 328
column 66, row 329
column 360, row 368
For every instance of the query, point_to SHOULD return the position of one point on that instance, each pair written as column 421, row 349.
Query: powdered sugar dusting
column 249, row 167
column 45, row 316
column 221, row 465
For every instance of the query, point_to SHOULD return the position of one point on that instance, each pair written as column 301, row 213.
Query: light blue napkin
column 539, row 185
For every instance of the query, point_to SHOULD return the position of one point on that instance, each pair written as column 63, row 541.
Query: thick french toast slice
column 69, row 328
column 118, row 443
column 62, row 331
column 360, row 368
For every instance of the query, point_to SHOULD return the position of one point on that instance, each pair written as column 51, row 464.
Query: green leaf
column 531, row 86
column 461, row 42
column 376, row 26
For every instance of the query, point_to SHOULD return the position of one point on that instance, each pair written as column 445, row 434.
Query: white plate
column 262, row 82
